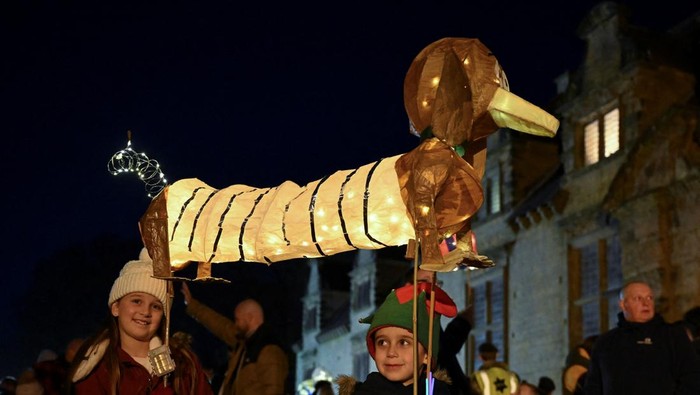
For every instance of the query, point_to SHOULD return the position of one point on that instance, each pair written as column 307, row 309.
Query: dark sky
column 231, row 94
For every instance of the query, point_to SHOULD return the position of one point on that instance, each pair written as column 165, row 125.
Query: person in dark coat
column 691, row 324
column 576, row 367
column 258, row 363
column 644, row 354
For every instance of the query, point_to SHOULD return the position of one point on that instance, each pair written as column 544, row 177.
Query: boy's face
column 394, row 354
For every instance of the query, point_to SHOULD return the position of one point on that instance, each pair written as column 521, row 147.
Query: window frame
column 361, row 295
column 360, row 357
column 607, row 288
column 598, row 118
column 494, row 191
column 492, row 328
column 310, row 318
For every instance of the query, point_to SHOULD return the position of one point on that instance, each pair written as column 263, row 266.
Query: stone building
column 618, row 204
column 568, row 220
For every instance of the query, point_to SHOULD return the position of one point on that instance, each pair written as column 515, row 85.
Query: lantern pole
column 415, row 319
column 428, row 374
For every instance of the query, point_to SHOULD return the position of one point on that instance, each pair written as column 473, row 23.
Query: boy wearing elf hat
column 390, row 342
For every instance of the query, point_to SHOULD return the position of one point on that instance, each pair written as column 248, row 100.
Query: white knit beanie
column 137, row 276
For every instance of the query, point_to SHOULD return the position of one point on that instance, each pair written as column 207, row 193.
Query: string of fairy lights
column 148, row 170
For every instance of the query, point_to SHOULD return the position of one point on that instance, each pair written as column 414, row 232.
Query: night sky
column 250, row 94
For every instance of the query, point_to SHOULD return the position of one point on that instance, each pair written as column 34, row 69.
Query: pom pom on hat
column 46, row 355
column 137, row 276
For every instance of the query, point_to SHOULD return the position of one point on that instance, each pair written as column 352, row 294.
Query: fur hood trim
column 94, row 355
column 442, row 375
column 91, row 358
column 346, row 384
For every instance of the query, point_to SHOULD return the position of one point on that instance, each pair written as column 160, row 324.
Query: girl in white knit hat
column 126, row 357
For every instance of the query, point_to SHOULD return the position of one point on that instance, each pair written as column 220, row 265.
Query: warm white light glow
column 607, row 129
column 590, row 143
column 425, row 210
column 435, row 81
column 611, row 122
column 287, row 230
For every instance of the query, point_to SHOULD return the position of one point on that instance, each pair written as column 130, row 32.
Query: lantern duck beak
column 510, row 111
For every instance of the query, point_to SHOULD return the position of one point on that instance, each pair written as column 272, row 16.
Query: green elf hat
column 397, row 310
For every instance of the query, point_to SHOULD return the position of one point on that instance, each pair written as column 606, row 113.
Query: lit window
column 601, row 137
column 611, row 121
column 590, row 141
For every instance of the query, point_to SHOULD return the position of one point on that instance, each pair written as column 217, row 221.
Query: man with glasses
column 643, row 354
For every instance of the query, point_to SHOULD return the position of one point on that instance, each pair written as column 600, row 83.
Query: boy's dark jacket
column 376, row 384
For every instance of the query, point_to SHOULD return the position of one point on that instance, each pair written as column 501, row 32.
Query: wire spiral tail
column 129, row 161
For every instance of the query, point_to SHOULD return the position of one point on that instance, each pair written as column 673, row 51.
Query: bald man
column 644, row 354
column 257, row 363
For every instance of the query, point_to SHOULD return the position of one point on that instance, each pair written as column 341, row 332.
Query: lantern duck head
column 456, row 90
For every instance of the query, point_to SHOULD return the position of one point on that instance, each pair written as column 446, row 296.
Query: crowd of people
column 135, row 354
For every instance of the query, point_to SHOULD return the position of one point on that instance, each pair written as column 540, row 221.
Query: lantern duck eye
column 501, row 78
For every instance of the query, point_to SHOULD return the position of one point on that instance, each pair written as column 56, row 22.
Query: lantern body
column 351, row 209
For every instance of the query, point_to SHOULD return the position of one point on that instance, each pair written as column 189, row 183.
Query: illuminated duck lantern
column 455, row 94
